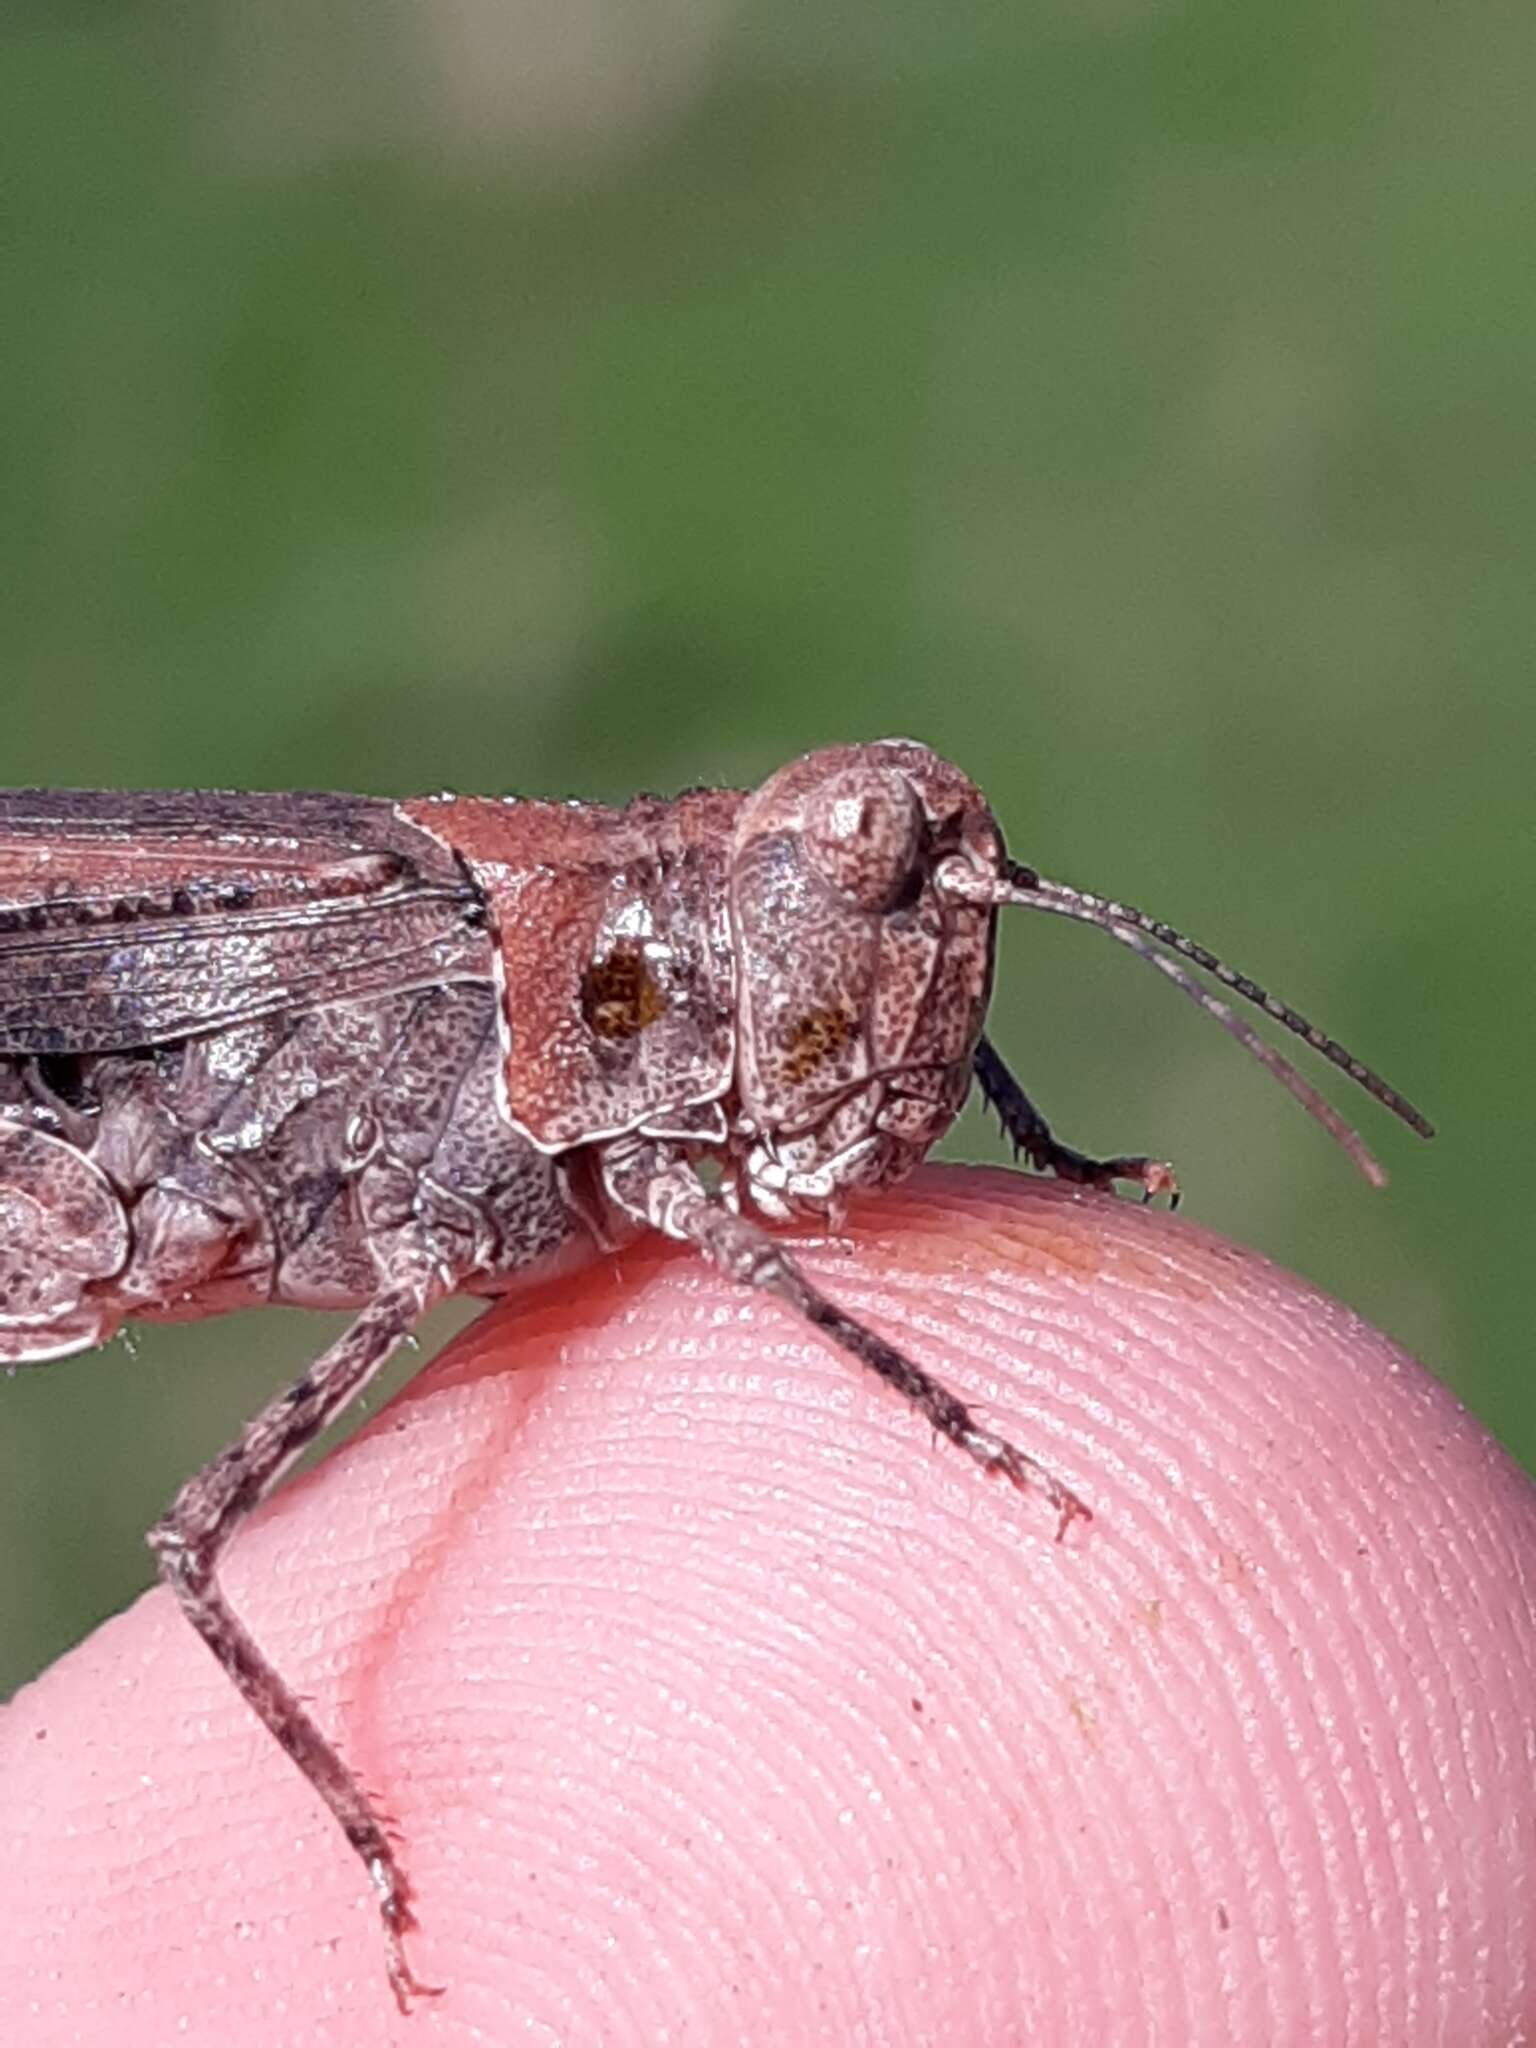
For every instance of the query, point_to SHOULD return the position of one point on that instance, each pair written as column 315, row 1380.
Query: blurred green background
column 1133, row 400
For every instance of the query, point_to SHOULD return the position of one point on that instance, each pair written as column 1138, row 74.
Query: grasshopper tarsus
column 399, row 1920
column 997, row 1455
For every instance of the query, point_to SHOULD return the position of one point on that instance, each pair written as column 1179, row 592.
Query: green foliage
column 1133, row 402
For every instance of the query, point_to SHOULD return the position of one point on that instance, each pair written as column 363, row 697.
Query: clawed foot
column 1029, row 1476
column 395, row 1911
column 1153, row 1176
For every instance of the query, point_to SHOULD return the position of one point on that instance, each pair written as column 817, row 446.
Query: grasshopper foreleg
column 1029, row 1133
column 673, row 1200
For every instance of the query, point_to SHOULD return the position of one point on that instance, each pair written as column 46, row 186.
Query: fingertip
column 1280, row 1665
column 703, row 1681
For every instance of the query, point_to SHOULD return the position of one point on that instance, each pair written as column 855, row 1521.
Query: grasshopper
column 348, row 1052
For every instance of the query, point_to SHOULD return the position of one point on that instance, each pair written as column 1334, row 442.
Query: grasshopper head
column 861, row 986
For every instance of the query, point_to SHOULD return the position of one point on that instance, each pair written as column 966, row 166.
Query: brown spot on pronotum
column 619, row 996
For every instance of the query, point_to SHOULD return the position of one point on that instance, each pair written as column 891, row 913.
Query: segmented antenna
column 1027, row 889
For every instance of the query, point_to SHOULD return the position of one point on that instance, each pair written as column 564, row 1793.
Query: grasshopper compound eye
column 863, row 834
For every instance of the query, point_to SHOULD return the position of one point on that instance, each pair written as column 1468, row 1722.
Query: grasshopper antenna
column 1024, row 888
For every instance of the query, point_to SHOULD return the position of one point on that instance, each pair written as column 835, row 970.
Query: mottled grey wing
column 129, row 919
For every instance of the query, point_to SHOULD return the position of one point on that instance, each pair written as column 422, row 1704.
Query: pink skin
column 719, row 1706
